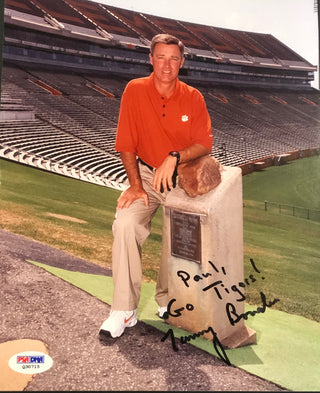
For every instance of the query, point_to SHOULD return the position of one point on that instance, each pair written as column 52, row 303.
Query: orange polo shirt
column 151, row 125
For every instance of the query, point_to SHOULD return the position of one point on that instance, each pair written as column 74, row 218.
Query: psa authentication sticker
column 30, row 362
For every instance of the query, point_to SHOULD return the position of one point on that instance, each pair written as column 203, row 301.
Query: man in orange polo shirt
column 162, row 122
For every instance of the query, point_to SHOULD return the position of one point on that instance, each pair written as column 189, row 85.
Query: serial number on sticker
column 30, row 366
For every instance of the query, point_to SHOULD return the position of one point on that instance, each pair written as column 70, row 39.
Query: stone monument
column 203, row 238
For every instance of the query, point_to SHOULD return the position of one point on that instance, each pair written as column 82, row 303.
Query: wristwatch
column 175, row 154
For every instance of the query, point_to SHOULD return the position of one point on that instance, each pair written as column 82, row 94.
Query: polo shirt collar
column 154, row 91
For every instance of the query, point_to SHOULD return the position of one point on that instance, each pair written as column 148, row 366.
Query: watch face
column 175, row 154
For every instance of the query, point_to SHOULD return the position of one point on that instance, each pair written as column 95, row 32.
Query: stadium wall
column 277, row 160
column 213, row 55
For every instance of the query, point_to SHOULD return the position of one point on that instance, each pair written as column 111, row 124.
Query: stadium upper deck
column 92, row 36
column 66, row 63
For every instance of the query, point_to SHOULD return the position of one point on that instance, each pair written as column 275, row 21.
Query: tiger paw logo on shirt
column 184, row 118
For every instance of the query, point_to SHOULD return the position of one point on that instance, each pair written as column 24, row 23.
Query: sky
column 293, row 22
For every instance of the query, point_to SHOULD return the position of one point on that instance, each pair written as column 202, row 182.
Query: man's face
column 166, row 61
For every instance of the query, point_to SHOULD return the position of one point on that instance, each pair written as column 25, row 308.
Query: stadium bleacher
column 66, row 63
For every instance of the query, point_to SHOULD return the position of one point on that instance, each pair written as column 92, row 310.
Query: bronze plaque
column 185, row 235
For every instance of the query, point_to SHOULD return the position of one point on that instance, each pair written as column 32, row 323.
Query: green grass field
column 296, row 183
column 77, row 217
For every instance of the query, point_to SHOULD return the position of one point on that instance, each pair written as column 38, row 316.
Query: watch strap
column 175, row 154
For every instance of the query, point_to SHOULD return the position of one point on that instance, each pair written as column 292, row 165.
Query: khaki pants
column 131, row 228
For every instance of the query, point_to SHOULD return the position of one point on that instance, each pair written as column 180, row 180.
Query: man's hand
column 164, row 173
column 136, row 190
column 130, row 195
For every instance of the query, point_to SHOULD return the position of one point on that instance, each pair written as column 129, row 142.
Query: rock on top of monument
column 199, row 176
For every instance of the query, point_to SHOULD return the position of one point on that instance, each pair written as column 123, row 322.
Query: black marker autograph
column 218, row 285
column 177, row 312
column 185, row 339
column 235, row 318
column 231, row 311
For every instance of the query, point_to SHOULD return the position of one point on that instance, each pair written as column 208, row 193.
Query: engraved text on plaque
column 185, row 235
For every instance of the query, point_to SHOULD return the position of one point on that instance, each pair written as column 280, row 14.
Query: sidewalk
column 36, row 305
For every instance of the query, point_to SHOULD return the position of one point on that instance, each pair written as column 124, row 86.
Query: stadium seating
column 71, row 111
column 74, row 133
